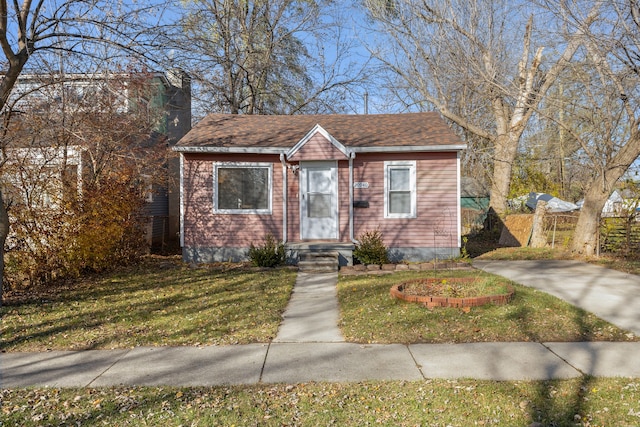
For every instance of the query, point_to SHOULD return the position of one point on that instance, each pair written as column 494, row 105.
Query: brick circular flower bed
column 435, row 300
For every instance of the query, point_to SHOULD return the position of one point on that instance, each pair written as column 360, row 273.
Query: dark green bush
column 270, row 254
column 371, row 249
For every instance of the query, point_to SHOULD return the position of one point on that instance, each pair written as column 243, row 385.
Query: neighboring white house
column 619, row 203
column 34, row 171
column 35, row 175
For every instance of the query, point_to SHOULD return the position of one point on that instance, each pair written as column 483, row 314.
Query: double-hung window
column 242, row 188
column 400, row 189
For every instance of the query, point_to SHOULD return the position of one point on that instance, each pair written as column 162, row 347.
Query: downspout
column 458, row 199
column 284, row 197
column 182, row 200
column 352, row 156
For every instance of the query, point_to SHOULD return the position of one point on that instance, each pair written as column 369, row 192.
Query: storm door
column 318, row 200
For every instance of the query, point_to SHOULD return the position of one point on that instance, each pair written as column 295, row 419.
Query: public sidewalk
column 308, row 346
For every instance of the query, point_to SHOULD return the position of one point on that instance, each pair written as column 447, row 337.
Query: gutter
column 231, row 150
column 280, row 150
column 410, row 149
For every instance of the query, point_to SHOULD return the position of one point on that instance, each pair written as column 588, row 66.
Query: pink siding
column 203, row 228
column 437, row 202
column 293, row 206
column 317, row 148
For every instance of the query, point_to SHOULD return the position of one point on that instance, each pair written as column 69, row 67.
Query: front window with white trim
column 400, row 189
column 242, row 188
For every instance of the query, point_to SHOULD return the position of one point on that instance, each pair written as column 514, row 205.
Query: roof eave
column 282, row 150
column 410, row 149
column 232, row 150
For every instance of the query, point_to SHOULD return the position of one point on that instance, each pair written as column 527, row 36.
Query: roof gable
column 318, row 144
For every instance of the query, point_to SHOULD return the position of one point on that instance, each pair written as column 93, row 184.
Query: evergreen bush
column 371, row 248
column 270, row 254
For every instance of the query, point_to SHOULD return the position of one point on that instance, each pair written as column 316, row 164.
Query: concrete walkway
column 312, row 314
column 308, row 347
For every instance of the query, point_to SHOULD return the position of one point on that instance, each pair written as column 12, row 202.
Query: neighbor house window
column 242, row 188
column 400, row 189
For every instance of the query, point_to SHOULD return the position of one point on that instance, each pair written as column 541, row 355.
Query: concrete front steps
column 318, row 262
column 320, row 256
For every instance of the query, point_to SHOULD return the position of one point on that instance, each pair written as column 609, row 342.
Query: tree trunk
column 599, row 190
column 538, row 234
column 506, row 147
column 585, row 237
column 4, row 231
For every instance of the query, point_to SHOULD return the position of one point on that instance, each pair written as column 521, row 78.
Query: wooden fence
column 620, row 235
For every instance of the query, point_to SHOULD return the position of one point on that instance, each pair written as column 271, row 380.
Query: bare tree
column 266, row 56
column 480, row 63
column 605, row 120
column 34, row 29
column 628, row 44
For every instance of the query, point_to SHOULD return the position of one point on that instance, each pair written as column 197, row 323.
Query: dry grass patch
column 524, row 253
column 627, row 264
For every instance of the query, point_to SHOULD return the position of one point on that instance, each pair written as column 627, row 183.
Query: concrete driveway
column 609, row 294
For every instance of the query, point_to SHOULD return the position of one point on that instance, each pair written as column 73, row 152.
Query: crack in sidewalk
column 109, row 367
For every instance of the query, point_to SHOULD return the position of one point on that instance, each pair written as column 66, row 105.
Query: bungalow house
column 319, row 181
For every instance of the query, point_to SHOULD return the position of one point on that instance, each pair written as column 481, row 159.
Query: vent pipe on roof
column 366, row 102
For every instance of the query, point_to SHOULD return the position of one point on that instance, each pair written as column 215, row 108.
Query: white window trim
column 218, row 165
column 411, row 164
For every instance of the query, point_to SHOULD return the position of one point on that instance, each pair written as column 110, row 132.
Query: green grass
column 583, row 401
column 166, row 303
column 150, row 305
column 370, row 315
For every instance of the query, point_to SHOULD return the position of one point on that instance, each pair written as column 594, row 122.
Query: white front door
column 318, row 200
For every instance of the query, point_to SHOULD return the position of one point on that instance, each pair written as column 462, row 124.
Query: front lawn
column 370, row 315
column 165, row 303
column 157, row 303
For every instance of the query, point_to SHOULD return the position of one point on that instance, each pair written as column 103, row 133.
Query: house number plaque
column 360, row 185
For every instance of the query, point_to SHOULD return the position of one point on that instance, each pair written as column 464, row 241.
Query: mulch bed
column 433, row 292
